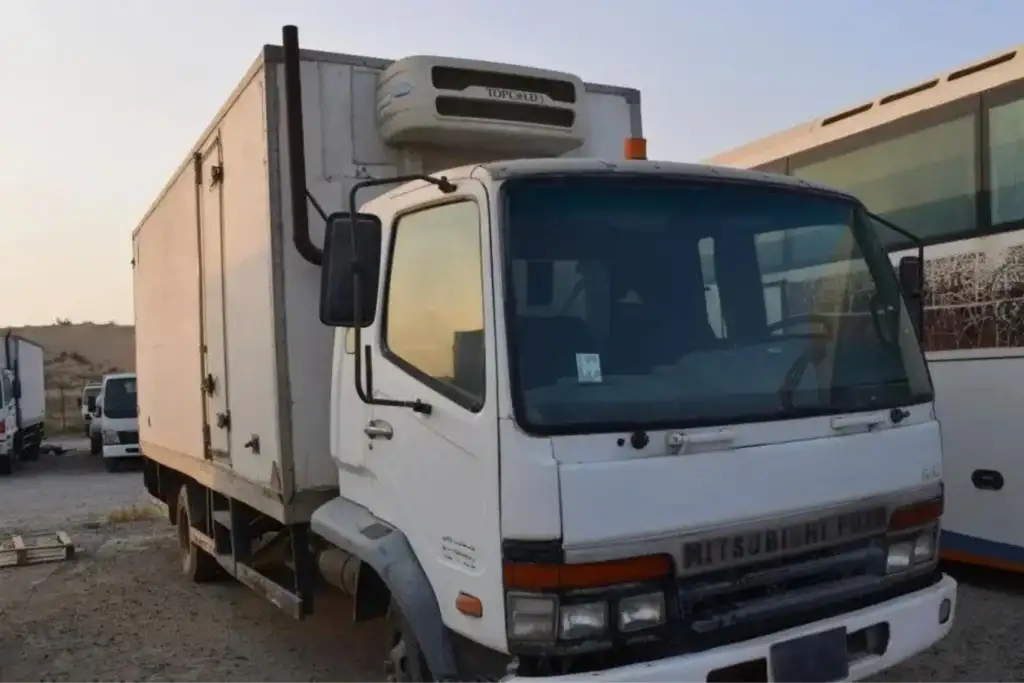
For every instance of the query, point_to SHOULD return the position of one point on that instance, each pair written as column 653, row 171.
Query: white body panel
column 253, row 305
column 28, row 368
column 770, row 470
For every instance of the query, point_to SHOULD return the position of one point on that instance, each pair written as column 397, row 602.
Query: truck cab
column 87, row 404
column 8, row 421
column 564, row 384
column 115, row 429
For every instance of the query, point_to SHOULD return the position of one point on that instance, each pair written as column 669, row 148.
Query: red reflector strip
column 531, row 576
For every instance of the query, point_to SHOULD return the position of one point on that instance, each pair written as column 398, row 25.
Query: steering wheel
column 807, row 319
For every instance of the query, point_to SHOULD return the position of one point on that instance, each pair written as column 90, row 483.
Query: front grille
column 454, row 78
column 128, row 437
column 733, row 604
column 458, row 107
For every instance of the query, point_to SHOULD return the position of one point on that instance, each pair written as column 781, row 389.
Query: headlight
column 908, row 552
column 110, row 438
column 532, row 617
column 924, row 546
column 901, row 556
column 641, row 611
column 581, row 621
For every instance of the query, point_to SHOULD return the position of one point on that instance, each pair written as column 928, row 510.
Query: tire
column 111, row 464
column 95, row 445
column 31, row 453
column 196, row 564
column 405, row 660
column 6, row 467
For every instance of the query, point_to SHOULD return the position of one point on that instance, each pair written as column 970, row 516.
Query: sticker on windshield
column 588, row 367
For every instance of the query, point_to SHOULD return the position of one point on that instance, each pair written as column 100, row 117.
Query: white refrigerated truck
column 499, row 407
column 22, row 401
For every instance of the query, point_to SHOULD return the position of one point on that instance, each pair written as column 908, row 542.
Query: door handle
column 378, row 428
column 989, row 480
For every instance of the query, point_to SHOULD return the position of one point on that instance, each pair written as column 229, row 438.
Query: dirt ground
column 120, row 611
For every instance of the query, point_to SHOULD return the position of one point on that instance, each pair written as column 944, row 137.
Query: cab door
column 436, row 469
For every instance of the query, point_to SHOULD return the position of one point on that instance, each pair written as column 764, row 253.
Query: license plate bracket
column 815, row 658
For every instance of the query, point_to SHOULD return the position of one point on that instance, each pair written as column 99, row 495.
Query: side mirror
column 350, row 269
column 911, row 276
column 16, row 388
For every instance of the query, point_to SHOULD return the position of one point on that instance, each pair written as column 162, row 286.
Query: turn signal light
column 916, row 514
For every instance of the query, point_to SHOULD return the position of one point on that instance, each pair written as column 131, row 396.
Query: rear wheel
column 405, row 661
column 5, row 465
column 196, row 564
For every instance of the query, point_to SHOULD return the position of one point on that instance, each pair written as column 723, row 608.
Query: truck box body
column 221, row 291
column 25, row 359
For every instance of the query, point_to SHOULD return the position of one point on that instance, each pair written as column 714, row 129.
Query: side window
column 434, row 313
column 1006, row 144
column 924, row 181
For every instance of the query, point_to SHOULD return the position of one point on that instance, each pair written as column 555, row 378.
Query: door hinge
column 216, row 175
column 207, row 440
column 209, row 385
column 224, row 420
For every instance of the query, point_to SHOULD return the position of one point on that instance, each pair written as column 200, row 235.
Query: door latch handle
column 378, row 428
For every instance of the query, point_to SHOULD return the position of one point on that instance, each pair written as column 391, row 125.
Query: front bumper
column 913, row 620
column 122, row 450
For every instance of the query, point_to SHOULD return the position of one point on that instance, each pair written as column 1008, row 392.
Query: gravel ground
column 120, row 611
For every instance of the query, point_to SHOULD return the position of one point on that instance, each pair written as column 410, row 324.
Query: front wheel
column 95, row 445
column 405, row 660
column 111, row 464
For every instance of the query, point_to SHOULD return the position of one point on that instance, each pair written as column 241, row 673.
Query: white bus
column 944, row 159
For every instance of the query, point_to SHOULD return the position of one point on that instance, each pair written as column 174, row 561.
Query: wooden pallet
column 19, row 550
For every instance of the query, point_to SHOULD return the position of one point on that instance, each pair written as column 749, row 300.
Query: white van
column 87, row 404
column 115, row 427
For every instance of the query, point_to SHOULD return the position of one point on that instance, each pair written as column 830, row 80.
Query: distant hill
column 77, row 353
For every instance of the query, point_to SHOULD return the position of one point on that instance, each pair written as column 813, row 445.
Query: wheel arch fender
column 357, row 531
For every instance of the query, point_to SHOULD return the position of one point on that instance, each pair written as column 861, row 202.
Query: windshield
column 645, row 302
column 120, row 399
column 90, row 398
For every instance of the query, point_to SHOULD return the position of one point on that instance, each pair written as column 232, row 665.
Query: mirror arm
column 917, row 242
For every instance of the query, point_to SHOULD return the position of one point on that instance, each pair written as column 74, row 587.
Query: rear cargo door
column 215, row 381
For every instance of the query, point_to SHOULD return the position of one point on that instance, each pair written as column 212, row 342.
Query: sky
column 100, row 101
